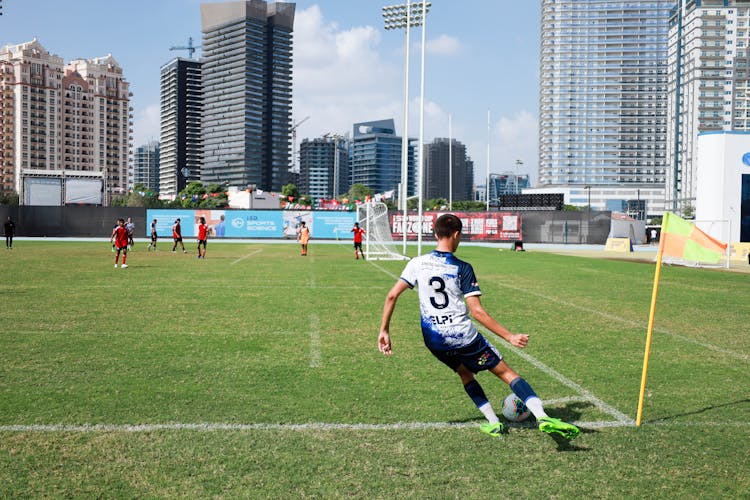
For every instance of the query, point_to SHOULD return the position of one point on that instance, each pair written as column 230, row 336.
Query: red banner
column 477, row 226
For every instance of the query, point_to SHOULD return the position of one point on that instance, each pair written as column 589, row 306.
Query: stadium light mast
column 396, row 17
column 450, row 164
column 487, row 178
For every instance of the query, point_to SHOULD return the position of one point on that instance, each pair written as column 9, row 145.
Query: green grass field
column 107, row 377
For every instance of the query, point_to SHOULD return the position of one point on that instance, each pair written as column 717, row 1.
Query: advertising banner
column 477, row 226
column 333, row 225
column 284, row 224
column 254, row 224
column 165, row 218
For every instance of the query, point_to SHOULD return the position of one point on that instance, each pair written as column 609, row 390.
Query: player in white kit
column 448, row 291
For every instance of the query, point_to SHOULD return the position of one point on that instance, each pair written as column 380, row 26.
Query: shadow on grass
column 739, row 402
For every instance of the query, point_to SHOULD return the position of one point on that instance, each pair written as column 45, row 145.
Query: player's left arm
column 479, row 313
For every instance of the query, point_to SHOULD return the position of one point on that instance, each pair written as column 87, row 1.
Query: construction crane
column 295, row 168
column 189, row 47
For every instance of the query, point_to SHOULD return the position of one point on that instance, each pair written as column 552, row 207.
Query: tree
column 8, row 198
column 469, row 206
column 192, row 195
column 359, row 192
column 571, row 208
column 290, row 190
column 217, row 197
column 688, row 211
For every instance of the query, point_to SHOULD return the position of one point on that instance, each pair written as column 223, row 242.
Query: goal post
column 378, row 240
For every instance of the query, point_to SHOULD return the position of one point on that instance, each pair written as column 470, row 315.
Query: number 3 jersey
column 443, row 281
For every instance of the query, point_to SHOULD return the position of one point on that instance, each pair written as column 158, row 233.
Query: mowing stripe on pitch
column 737, row 355
column 315, row 352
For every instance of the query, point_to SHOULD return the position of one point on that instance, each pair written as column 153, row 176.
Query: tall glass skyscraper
column 323, row 167
column 247, row 92
column 146, row 166
column 603, row 99
column 376, row 157
column 437, row 163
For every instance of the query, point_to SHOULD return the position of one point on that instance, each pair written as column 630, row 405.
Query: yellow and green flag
column 682, row 240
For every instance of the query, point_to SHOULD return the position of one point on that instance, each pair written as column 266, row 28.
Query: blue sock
column 476, row 393
column 522, row 389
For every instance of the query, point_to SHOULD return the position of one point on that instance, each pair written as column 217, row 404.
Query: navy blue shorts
column 477, row 356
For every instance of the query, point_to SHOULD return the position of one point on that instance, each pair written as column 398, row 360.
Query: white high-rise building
column 602, row 117
column 709, row 90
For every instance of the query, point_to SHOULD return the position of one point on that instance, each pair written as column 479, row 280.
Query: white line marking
column 248, row 255
column 384, row 270
column 322, row 426
column 633, row 323
column 621, row 417
column 315, row 352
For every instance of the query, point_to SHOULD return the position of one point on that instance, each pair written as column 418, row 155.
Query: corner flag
column 682, row 240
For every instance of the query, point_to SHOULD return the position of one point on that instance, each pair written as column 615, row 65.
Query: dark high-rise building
column 376, row 158
column 247, row 92
column 324, row 167
column 181, row 154
column 146, row 166
column 437, row 167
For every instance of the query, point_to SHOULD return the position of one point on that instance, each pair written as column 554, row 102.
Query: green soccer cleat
column 494, row 430
column 556, row 426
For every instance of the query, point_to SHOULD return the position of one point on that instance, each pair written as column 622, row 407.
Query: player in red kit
column 120, row 239
column 358, row 232
column 177, row 236
column 202, row 237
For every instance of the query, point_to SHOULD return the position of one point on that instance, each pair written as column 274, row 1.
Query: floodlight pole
column 421, row 130
column 405, row 136
column 399, row 16
column 450, row 164
column 487, row 179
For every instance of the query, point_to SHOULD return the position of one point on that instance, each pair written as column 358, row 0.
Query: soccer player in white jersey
column 448, row 292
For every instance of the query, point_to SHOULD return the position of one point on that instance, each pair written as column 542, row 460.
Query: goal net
column 378, row 241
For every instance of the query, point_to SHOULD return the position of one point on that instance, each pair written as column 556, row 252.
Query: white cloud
column 514, row 138
column 339, row 76
column 147, row 125
column 444, row 45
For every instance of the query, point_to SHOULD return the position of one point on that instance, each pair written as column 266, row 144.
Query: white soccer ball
column 514, row 410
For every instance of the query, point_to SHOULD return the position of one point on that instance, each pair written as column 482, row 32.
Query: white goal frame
column 378, row 241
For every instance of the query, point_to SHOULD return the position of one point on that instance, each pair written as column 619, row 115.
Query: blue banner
column 165, row 218
column 333, row 225
column 252, row 223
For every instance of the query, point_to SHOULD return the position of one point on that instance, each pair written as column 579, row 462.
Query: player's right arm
column 384, row 339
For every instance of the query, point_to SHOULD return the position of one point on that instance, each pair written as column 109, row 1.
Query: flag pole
column 651, row 315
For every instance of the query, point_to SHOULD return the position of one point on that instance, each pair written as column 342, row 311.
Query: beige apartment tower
column 63, row 121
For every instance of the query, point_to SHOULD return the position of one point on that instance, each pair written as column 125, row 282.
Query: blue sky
column 481, row 55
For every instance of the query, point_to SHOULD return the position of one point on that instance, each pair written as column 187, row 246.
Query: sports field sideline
column 256, row 373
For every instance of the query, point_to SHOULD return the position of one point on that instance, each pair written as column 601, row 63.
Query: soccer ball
column 514, row 410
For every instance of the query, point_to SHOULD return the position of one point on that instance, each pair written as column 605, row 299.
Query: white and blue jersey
column 443, row 282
